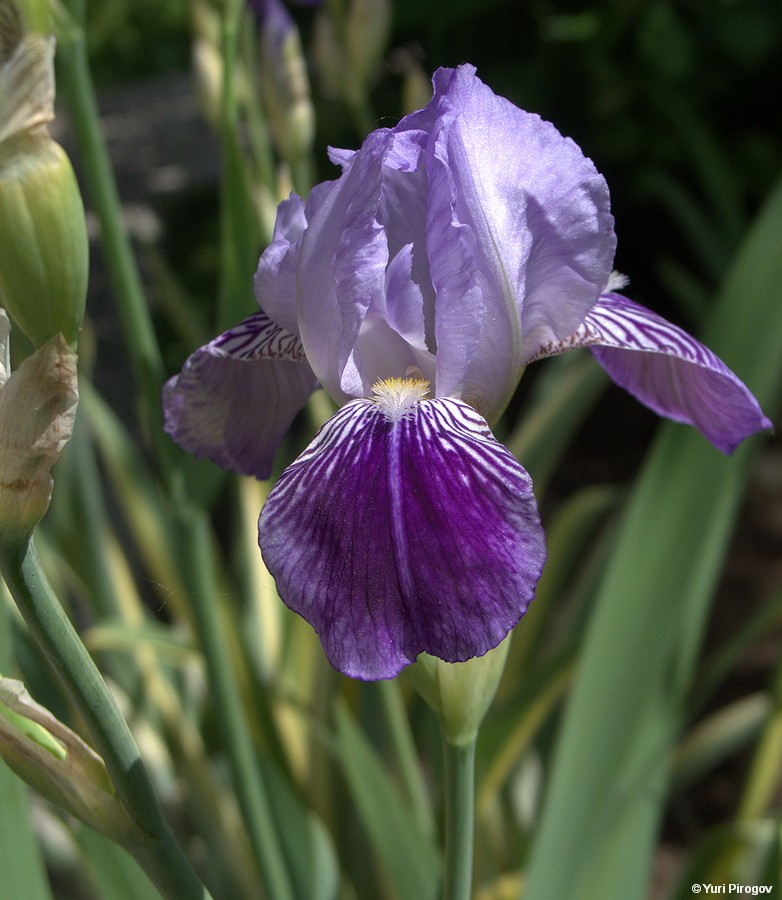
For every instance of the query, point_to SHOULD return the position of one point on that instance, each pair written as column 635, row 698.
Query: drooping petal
column 236, row 397
column 400, row 531
column 667, row 370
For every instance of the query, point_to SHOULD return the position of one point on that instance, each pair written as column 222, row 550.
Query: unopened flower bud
column 347, row 52
column 284, row 83
column 43, row 240
column 37, row 410
column 460, row 693
column 36, row 15
column 59, row 765
column 43, row 236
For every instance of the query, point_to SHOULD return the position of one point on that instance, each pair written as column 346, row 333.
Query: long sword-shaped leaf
column 612, row 763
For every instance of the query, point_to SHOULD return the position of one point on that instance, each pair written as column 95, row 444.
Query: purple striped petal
column 404, row 529
column 667, row 370
column 235, row 398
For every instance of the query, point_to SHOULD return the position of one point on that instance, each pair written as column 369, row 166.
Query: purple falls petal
column 397, row 537
column 667, row 370
column 235, row 398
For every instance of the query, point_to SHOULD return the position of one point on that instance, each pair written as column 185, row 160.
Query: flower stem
column 459, row 819
column 159, row 854
column 96, row 167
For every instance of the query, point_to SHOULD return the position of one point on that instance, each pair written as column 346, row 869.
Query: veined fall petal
column 405, row 527
column 667, row 370
column 235, row 398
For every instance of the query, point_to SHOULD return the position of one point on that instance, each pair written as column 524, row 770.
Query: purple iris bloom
column 454, row 249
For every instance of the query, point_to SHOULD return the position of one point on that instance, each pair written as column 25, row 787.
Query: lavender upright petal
column 399, row 532
column 235, row 398
column 667, row 370
column 520, row 235
column 275, row 279
column 342, row 263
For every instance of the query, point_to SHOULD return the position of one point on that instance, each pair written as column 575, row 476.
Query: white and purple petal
column 236, row 397
column 666, row 369
column 400, row 534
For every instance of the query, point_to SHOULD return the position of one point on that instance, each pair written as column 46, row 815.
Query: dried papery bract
column 37, row 411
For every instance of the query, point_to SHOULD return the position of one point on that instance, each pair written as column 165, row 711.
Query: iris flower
column 455, row 248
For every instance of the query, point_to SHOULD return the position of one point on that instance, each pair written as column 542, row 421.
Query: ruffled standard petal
column 275, row 279
column 235, row 398
column 401, row 532
column 521, row 237
column 341, row 272
column 667, row 370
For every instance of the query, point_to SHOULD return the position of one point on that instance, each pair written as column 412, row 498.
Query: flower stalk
column 102, row 189
column 459, row 819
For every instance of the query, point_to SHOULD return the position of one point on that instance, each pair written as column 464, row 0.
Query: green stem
column 159, row 855
column 459, row 820
column 248, row 782
column 101, row 184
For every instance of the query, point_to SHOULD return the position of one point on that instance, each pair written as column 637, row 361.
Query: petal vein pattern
column 236, row 397
column 666, row 369
column 397, row 537
column 257, row 337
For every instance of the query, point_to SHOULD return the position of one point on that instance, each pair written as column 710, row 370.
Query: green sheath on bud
column 43, row 236
column 460, row 693
column 43, row 240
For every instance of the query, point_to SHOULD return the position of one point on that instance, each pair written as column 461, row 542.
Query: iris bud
column 347, row 52
column 366, row 35
column 207, row 60
column 43, row 240
column 43, row 235
column 459, row 693
column 285, row 85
